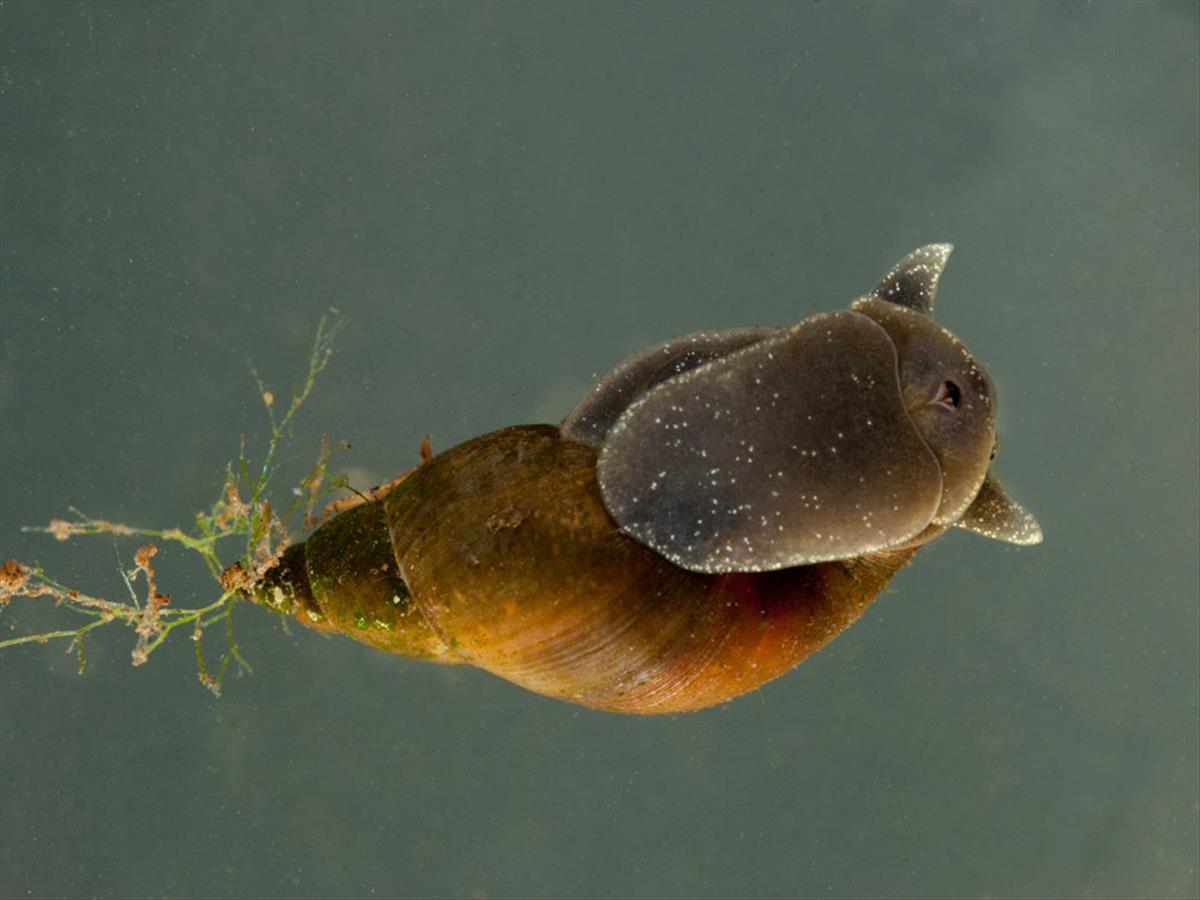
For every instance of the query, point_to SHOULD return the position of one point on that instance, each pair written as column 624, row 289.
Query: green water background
column 504, row 200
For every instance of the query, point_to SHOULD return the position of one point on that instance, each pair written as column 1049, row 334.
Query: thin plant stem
column 263, row 536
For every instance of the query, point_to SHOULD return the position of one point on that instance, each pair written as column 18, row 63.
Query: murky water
column 504, row 201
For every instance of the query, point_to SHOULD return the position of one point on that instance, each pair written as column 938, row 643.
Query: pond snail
column 719, row 507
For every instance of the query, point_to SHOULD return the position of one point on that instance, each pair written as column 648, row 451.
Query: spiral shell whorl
column 509, row 552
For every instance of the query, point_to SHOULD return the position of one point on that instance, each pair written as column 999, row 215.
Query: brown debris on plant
column 241, row 513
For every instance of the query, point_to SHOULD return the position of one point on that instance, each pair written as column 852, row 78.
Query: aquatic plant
column 240, row 538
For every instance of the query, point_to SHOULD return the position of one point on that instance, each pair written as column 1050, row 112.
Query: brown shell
column 508, row 552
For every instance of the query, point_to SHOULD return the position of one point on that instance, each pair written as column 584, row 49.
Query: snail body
column 537, row 552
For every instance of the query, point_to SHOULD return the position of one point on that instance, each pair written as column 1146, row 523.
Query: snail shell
column 503, row 556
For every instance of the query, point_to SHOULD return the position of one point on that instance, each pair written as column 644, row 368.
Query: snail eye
column 949, row 395
column 995, row 448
